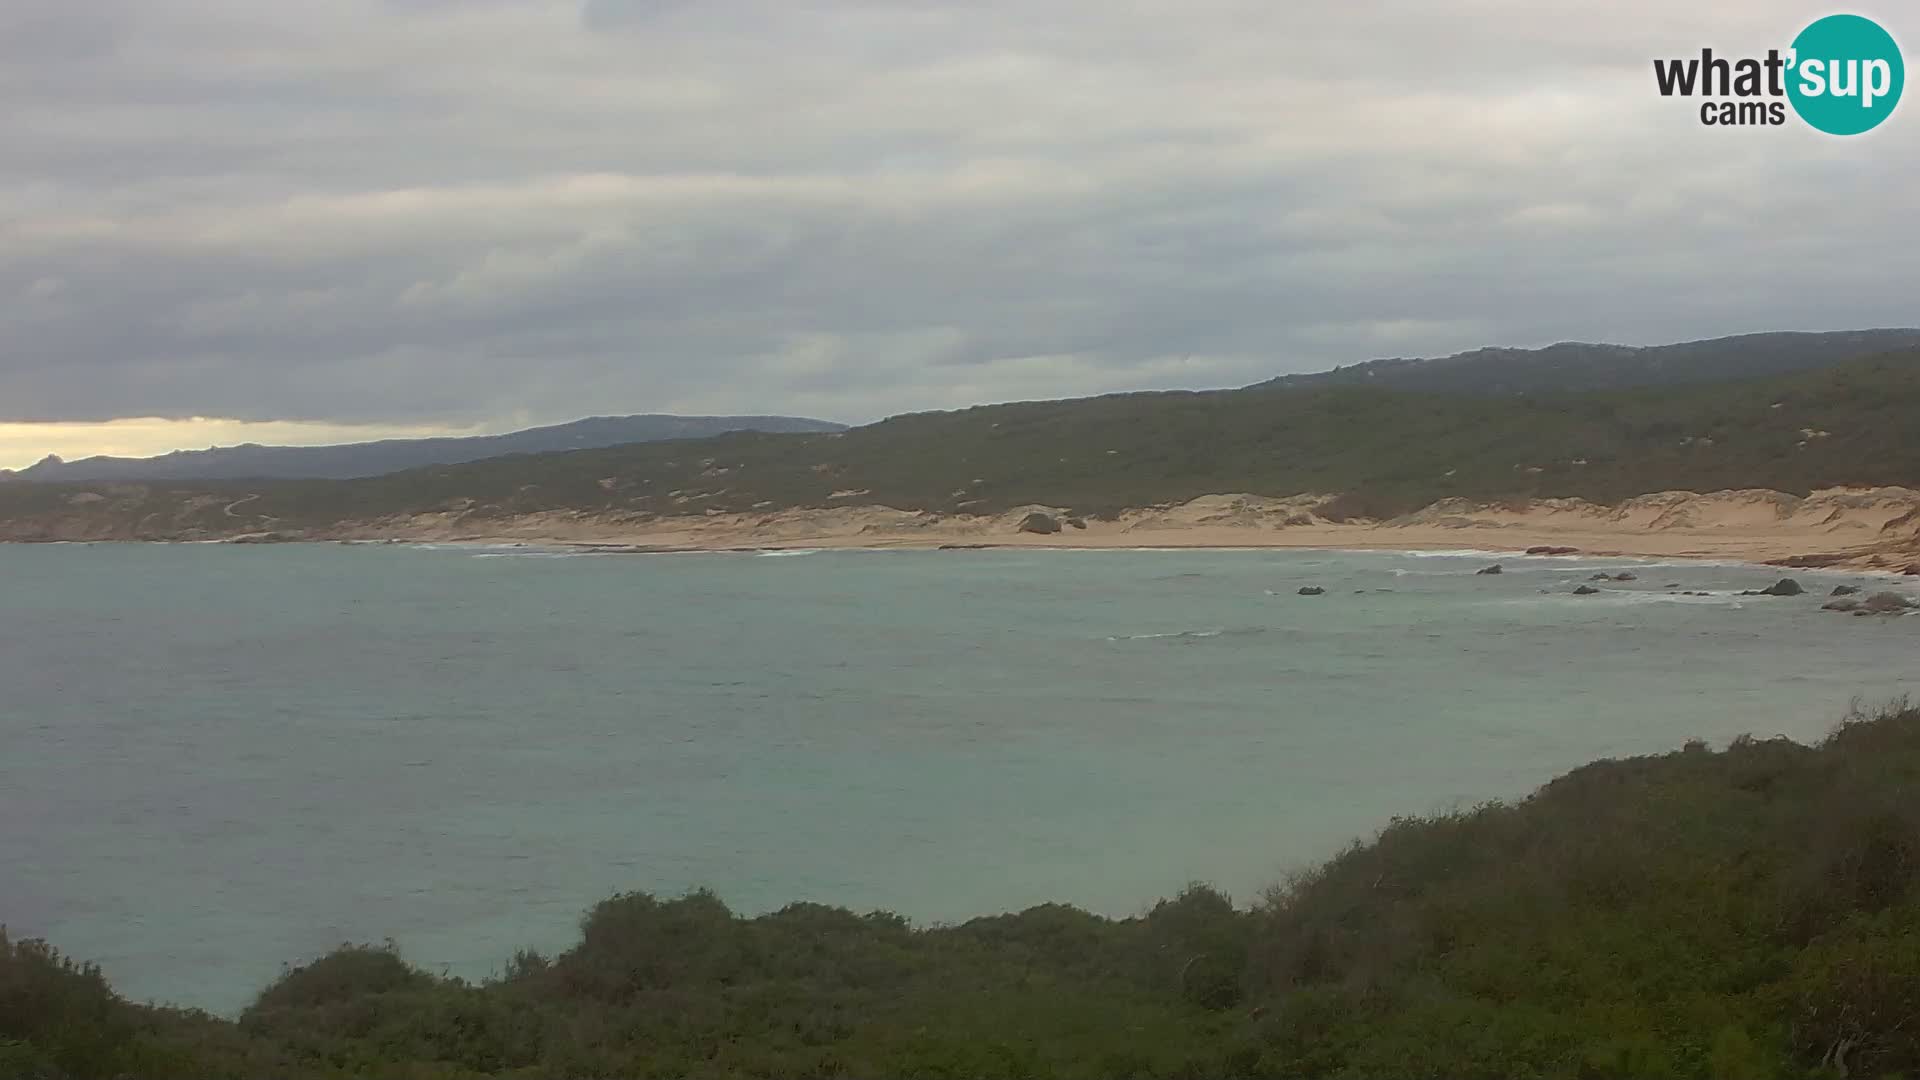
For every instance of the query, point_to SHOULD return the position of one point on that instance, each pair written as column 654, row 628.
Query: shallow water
column 214, row 759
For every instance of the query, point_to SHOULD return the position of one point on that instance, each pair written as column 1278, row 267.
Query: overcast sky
column 372, row 217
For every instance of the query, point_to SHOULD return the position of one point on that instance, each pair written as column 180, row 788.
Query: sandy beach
column 1876, row 528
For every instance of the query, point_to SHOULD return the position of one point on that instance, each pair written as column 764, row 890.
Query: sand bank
column 1851, row 527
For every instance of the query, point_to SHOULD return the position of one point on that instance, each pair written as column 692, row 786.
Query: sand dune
column 1877, row 527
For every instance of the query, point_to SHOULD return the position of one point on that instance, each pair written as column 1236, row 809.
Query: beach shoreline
column 1844, row 529
column 1835, row 528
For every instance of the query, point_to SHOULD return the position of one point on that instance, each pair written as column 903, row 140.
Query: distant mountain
column 351, row 460
column 1573, row 367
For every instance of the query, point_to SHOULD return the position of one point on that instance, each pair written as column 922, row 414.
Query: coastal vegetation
column 1749, row 912
column 1382, row 451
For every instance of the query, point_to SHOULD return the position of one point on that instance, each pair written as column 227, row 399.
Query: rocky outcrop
column 1880, row 603
column 1037, row 522
column 1552, row 549
column 1786, row 586
column 1494, row 569
column 1585, row 590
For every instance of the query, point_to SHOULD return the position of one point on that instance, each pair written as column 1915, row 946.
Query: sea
column 217, row 760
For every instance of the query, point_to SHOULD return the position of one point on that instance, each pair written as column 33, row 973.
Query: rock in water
column 1786, row 586
column 1494, row 569
column 1844, row 590
column 1038, row 522
column 1311, row 590
column 1585, row 590
column 1880, row 603
column 1624, row 576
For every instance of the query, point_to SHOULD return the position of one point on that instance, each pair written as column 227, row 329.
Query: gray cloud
column 420, row 211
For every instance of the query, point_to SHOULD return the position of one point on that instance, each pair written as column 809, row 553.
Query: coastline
column 1864, row 529
column 1846, row 529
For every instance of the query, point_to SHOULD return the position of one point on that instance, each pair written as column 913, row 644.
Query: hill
column 348, row 460
column 1385, row 451
column 1753, row 912
column 1572, row 367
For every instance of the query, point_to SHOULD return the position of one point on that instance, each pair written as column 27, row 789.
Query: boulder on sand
column 1494, row 569
column 1076, row 523
column 1037, row 522
column 1552, row 549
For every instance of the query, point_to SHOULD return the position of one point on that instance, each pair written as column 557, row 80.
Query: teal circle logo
column 1846, row 74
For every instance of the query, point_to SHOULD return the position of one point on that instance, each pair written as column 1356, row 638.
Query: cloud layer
column 429, row 212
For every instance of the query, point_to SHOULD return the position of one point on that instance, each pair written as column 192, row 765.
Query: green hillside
column 1744, row 914
column 1578, row 367
column 1387, row 451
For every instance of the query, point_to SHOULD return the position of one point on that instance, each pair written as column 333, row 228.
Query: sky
column 227, row 220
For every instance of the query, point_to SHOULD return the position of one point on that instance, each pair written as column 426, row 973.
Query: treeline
column 1747, row 913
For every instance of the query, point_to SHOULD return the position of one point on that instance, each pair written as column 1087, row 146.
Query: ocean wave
column 1626, row 597
column 784, row 553
column 1191, row 635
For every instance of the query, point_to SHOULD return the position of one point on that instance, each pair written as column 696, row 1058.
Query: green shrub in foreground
column 1749, row 913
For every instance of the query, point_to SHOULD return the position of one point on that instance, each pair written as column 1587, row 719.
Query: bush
column 1750, row 912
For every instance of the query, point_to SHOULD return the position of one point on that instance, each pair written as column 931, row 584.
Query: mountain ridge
column 346, row 461
column 1580, row 366
column 1567, row 367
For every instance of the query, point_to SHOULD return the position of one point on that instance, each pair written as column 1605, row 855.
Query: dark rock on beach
column 1037, row 522
column 1494, row 569
column 1550, row 549
column 1809, row 562
column 1844, row 590
column 1786, row 586
column 1585, row 590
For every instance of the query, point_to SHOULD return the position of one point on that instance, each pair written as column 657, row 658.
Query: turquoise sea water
column 214, row 759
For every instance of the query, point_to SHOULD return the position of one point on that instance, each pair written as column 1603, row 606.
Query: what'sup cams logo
column 1842, row 75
